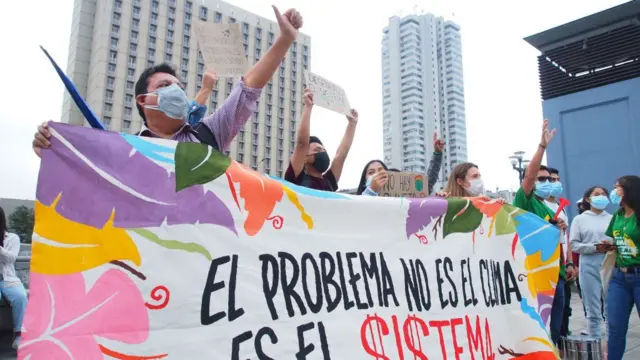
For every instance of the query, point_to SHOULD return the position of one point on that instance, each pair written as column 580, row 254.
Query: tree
column 21, row 222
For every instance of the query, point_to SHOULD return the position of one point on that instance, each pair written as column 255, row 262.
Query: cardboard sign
column 327, row 94
column 152, row 249
column 221, row 47
column 406, row 184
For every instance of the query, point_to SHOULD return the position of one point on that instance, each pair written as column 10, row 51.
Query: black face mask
column 321, row 161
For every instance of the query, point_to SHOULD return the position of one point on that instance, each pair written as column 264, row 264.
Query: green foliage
column 21, row 222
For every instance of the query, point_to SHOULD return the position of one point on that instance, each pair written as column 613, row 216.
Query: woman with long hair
column 373, row 178
column 10, row 285
column 465, row 181
column 587, row 230
column 624, row 286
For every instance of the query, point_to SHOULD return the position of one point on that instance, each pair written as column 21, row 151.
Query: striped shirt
column 226, row 121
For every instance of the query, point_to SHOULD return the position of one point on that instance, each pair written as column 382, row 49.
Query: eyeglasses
column 546, row 178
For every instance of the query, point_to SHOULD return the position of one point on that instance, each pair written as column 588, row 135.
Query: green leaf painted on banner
column 198, row 164
column 505, row 219
column 173, row 244
column 461, row 217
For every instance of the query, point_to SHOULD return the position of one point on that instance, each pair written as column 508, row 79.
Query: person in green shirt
column 624, row 286
column 536, row 187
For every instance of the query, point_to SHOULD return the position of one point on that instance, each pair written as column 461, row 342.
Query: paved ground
column 577, row 324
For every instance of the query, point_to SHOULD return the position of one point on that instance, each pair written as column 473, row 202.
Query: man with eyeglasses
column 537, row 187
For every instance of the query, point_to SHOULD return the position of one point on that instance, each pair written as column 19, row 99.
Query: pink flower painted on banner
column 63, row 319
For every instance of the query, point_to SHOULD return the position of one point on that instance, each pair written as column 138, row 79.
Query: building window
column 217, row 17
column 126, row 125
column 203, row 13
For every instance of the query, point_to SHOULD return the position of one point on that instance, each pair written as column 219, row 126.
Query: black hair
column 394, row 170
column 553, row 170
column 314, row 139
column 630, row 184
column 142, row 85
column 582, row 207
column 363, row 179
column 544, row 168
column 587, row 194
column 3, row 226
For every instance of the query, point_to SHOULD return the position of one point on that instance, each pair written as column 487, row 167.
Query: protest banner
column 405, row 184
column 327, row 94
column 221, row 47
column 146, row 249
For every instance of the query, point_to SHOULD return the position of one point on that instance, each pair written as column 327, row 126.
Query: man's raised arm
column 226, row 122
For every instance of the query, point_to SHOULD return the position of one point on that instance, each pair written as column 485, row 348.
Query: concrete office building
column 423, row 92
column 589, row 73
column 113, row 41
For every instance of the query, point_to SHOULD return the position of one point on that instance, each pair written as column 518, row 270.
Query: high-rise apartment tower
column 423, row 92
column 113, row 41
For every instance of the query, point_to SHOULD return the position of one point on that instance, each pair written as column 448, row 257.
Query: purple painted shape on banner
column 422, row 211
column 545, row 313
column 88, row 197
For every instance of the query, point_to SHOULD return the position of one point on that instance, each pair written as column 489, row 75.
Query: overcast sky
column 503, row 107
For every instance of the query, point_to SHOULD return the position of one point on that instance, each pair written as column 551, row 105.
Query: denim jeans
column 592, row 292
column 17, row 299
column 623, row 293
column 557, row 312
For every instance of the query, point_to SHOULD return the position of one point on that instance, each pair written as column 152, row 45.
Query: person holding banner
column 163, row 104
column 374, row 175
column 198, row 106
column 11, row 286
column 310, row 165
column 536, row 187
column 624, row 287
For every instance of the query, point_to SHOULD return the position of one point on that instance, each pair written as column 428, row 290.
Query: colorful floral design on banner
column 108, row 204
column 122, row 180
column 66, row 329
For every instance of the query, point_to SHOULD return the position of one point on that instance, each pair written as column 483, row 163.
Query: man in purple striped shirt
column 226, row 121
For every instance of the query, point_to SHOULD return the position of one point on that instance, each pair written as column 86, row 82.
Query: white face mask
column 476, row 187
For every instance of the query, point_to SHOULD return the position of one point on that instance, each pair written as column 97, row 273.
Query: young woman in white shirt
column 11, row 287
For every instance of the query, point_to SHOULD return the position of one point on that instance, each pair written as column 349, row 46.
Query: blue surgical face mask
column 369, row 181
column 172, row 101
column 615, row 197
column 556, row 189
column 543, row 189
column 599, row 202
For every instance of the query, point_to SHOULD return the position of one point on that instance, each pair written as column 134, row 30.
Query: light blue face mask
column 615, row 197
column 556, row 189
column 599, row 202
column 543, row 189
column 172, row 101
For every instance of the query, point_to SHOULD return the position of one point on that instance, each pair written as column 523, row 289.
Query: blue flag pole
column 82, row 105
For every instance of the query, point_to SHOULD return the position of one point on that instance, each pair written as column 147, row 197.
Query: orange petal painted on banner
column 66, row 247
column 260, row 195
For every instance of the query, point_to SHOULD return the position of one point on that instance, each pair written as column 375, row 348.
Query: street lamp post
column 519, row 164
